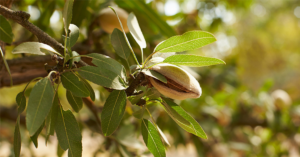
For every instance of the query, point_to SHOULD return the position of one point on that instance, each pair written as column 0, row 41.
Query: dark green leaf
column 155, row 75
column 192, row 60
column 119, row 44
column 89, row 87
column 34, row 48
column 152, row 94
column 6, row 34
column 39, row 104
column 113, row 111
column 6, row 66
column 105, row 62
column 75, row 102
column 72, row 83
column 139, row 113
column 135, row 30
column 81, row 12
column 188, row 41
column 52, row 117
column 102, row 77
column 152, row 139
column 149, row 14
column 47, row 8
column 21, row 101
column 74, row 34
column 68, row 133
column 67, row 14
column 17, row 138
column 35, row 136
column 183, row 119
column 59, row 151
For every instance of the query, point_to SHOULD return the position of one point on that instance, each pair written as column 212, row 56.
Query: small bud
column 180, row 84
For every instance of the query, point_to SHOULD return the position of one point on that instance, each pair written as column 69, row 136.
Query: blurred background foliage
column 249, row 107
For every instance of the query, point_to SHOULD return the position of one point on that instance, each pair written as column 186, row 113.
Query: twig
column 22, row 18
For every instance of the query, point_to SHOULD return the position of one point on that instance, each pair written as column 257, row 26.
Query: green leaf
column 163, row 136
column 139, row 113
column 125, row 36
column 74, row 34
column 17, row 138
column 81, row 12
column 68, row 133
column 105, row 62
column 21, row 101
column 89, row 87
column 113, row 111
column 52, row 117
column 188, row 41
column 149, row 14
column 119, row 44
column 67, row 14
column 155, row 75
column 34, row 48
column 135, row 30
column 72, row 83
column 75, row 102
column 152, row 94
column 152, row 139
column 36, row 135
column 76, row 59
column 102, row 77
column 59, row 151
column 6, row 34
column 39, row 104
column 192, row 60
column 6, row 66
column 183, row 119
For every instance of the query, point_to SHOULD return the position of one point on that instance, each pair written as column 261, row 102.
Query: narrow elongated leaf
column 155, row 75
column 21, row 101
column 6, row 34
column 39, row 104
column 68, row 133
column 59, row 151
column 17, row 138
column 127, row 41
column 163, row 136
column 135, row 30
column 148, row 13
column 89, row 87
column 102, row 77
column 119, row 44
column 183, row 119
column 105, row 62
column 192, row 60
column 113, row 111
column 72, row 83
column 188, row 41
column 34, row 48
column 152, row 139
column 52, row 117
column 139, row 113
column 67, row 14
column 74, row 34
column 36, row 135
column 75, row 102
column 6, row 66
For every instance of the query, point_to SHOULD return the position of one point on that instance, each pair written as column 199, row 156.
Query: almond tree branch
column 22, row 18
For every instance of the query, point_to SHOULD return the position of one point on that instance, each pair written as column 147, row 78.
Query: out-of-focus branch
column 22, row 18
column 25, row 69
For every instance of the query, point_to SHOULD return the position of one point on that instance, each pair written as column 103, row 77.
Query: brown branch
column 134, row 84
column 22, row 18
